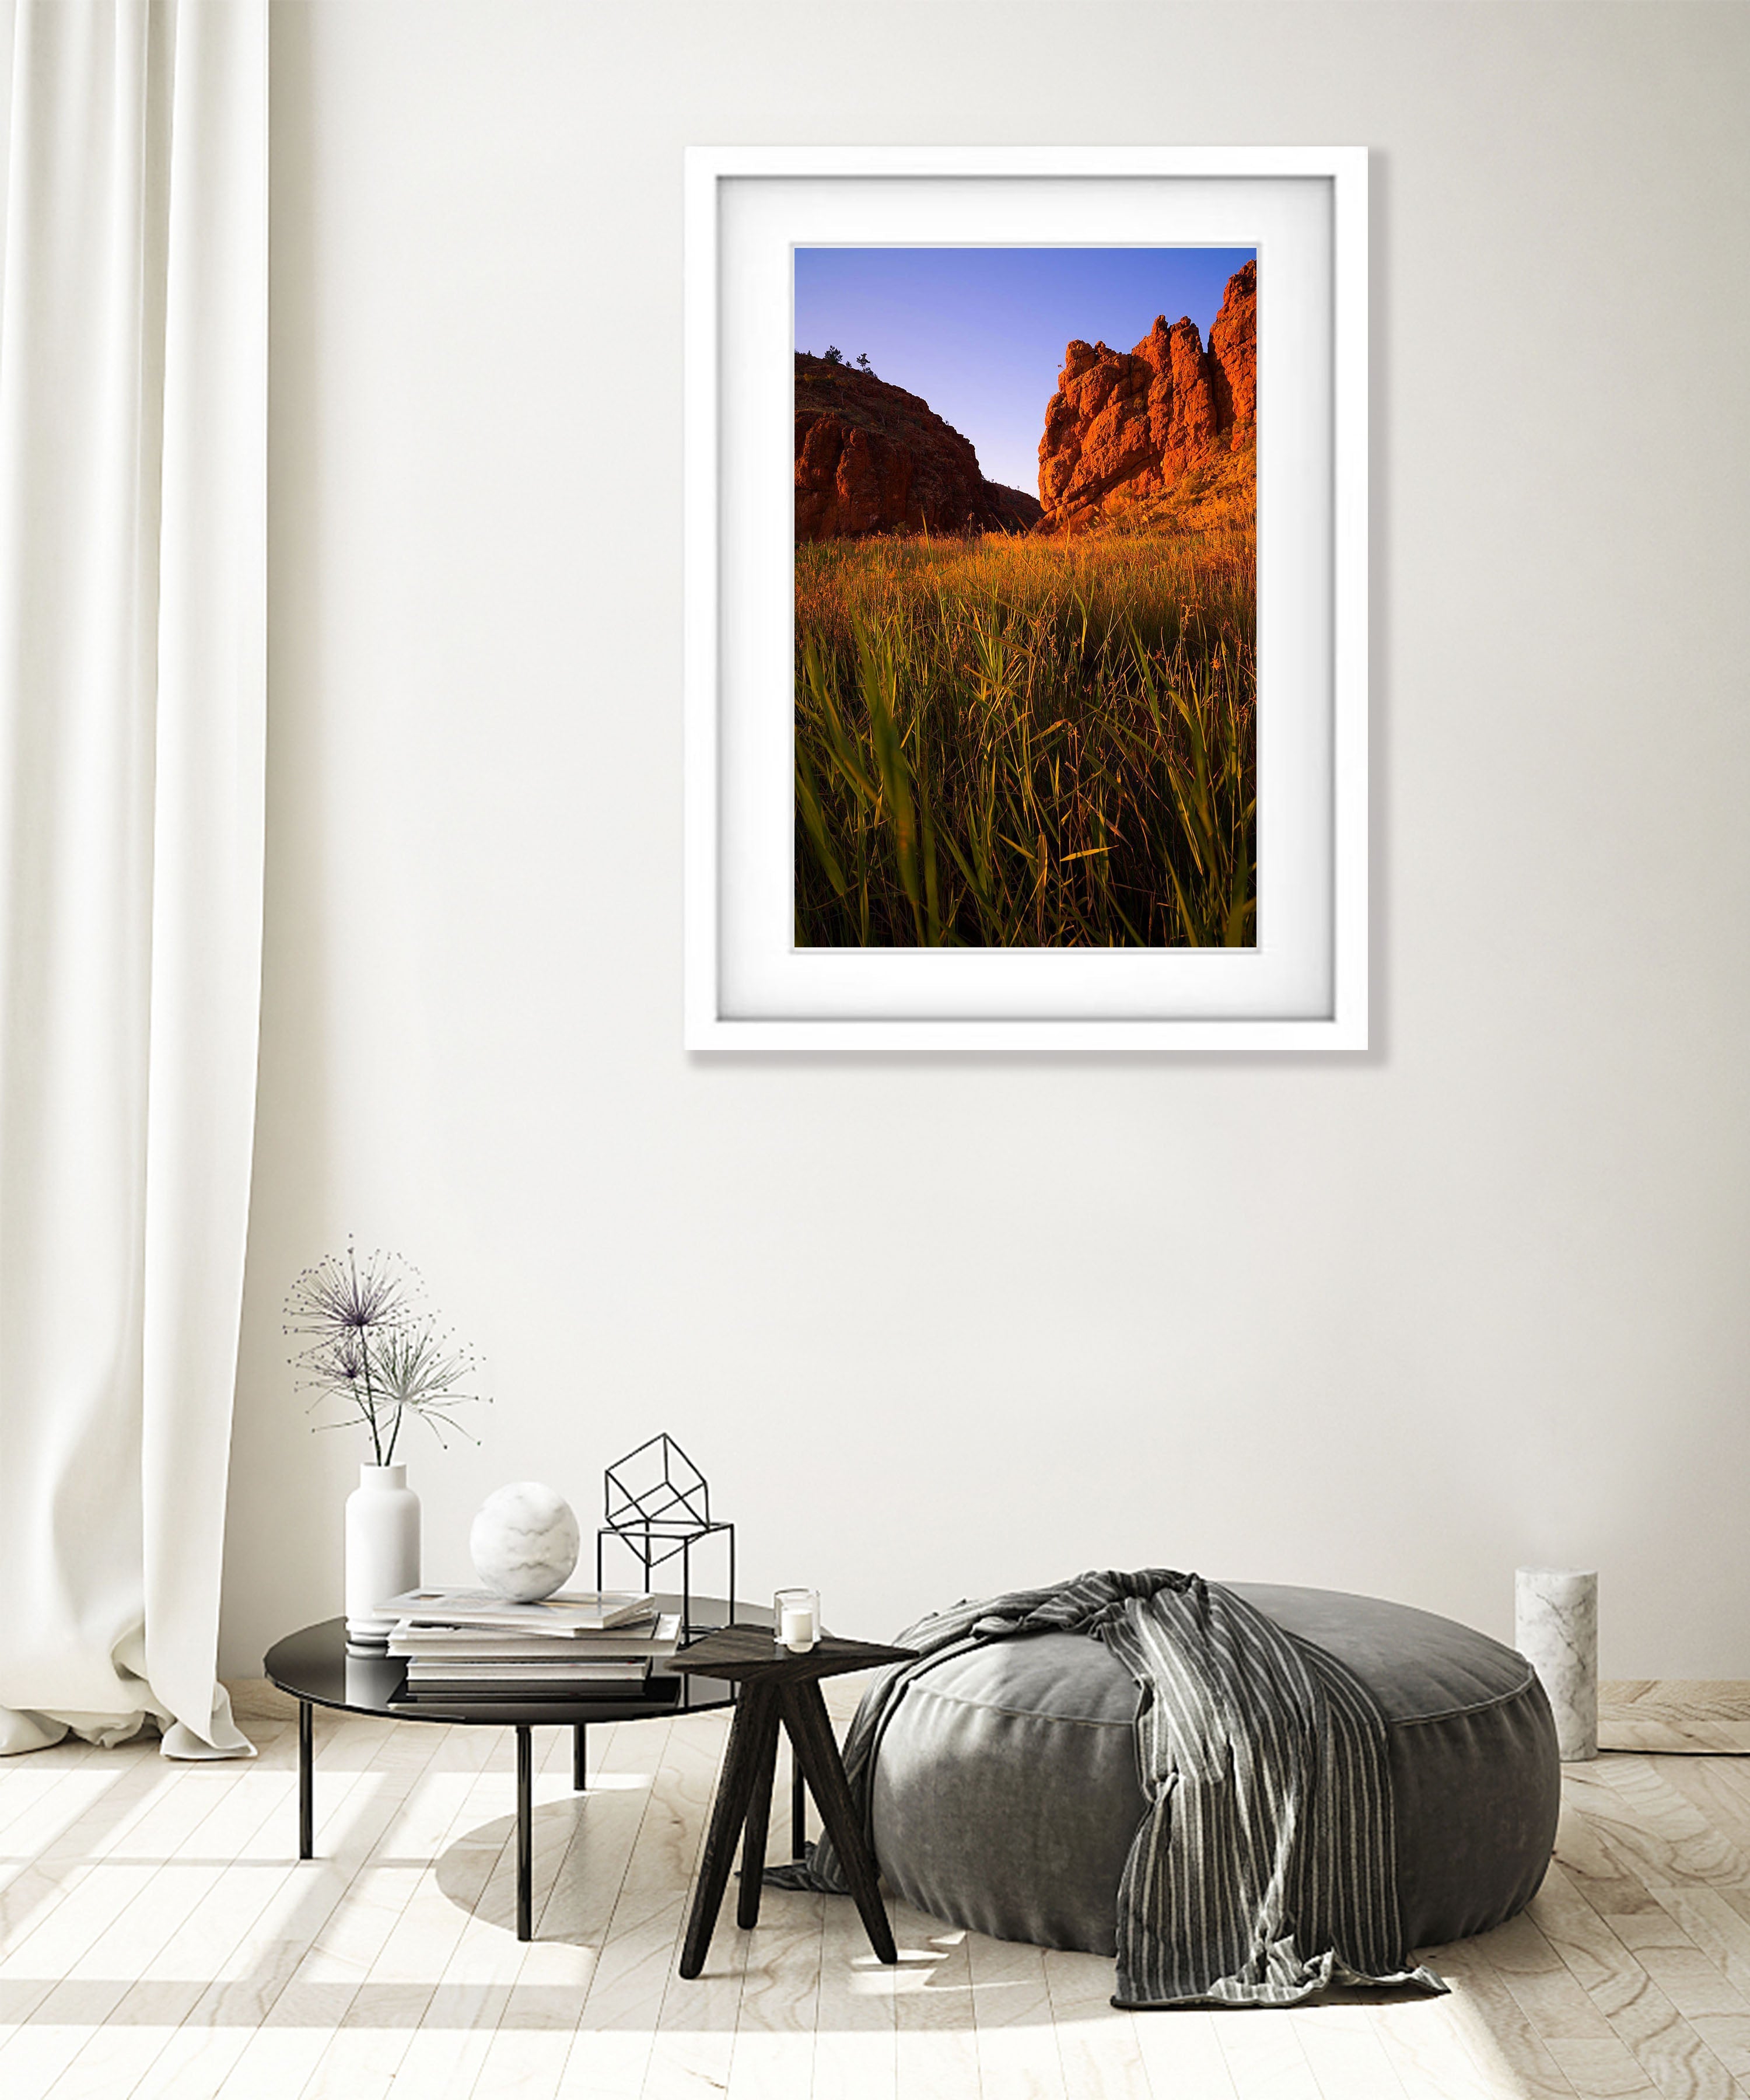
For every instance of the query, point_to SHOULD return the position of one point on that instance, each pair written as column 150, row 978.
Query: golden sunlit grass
column 1029, row 742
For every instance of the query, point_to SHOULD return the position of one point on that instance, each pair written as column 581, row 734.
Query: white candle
column 797, row 1633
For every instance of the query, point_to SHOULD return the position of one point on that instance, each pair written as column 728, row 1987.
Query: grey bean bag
column 1005, row 1795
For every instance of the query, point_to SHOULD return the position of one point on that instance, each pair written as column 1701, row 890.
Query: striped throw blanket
column 1265, row 1867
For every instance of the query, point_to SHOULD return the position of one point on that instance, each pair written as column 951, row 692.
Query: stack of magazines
column 468, row 1646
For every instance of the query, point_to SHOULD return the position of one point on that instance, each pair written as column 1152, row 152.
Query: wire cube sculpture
column 657, row 1504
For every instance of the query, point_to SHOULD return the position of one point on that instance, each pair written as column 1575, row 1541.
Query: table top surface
column 313, row 1665
column 751, row 1655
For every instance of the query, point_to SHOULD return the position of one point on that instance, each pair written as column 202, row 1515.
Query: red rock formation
column 873, row 458
column 1125, row 425
column 1233, row 354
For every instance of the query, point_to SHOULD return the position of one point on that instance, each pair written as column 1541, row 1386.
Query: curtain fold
column 133, row 451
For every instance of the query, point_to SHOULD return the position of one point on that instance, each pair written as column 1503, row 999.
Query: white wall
column 937, row 1326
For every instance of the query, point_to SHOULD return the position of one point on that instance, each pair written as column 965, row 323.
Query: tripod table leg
column 729, row 1813
column 759, row 1816
column 580, row 1757
column 804, row 1713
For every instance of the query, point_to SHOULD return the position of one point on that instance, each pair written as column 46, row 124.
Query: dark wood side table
column 775, row 1686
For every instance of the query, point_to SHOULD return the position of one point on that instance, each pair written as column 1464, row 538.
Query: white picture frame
column 1304, row 986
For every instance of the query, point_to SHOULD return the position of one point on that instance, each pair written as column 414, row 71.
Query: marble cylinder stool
column 1556, row 1630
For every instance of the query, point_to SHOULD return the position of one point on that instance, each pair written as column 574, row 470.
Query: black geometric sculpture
column 657, row 1504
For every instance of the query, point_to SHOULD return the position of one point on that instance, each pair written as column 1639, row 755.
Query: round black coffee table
column 314, row 1667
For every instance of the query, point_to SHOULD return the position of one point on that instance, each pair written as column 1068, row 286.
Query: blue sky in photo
column 979, row 333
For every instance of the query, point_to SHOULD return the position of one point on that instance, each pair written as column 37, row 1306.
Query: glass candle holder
column 795, row 1619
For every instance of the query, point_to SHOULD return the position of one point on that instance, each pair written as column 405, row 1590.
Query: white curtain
column 133, row 451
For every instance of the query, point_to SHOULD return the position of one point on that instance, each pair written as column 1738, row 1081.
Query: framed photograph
column 1026, row 599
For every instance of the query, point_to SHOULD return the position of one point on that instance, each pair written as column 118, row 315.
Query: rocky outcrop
column 873, row 458
column 1124, row 425
column 1233, row 355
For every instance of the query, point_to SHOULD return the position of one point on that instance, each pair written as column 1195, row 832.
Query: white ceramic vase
column 382, row 1551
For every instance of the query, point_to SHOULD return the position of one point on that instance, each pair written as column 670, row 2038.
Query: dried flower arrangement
column 370, row 1341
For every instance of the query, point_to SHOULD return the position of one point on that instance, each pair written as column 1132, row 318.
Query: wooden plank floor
column 1674, row 1714
column 160, row 1940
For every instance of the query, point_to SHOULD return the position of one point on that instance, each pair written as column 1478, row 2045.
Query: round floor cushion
column 1005, row 1794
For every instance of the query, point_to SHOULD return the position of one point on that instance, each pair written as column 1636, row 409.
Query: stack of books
column 470, row 1647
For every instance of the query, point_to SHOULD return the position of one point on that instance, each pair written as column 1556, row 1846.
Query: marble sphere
column 524, row 1541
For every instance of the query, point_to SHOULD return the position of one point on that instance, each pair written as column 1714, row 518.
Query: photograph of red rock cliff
column 1025, row 598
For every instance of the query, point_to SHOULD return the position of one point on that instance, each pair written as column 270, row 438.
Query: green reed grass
column 1020, row 742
